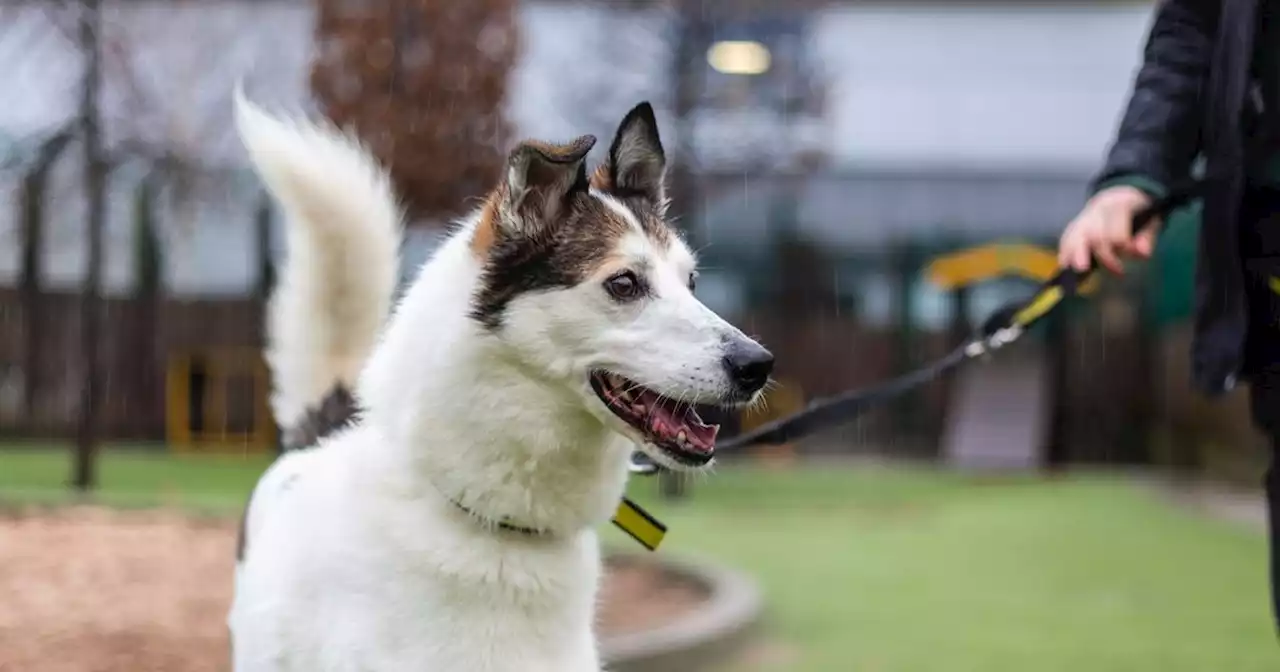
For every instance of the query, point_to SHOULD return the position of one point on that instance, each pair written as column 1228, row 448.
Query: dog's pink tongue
column 703, row 436
column 669, row 421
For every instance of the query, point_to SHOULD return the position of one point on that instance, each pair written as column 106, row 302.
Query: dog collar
column 629, row 517
column 502, row 523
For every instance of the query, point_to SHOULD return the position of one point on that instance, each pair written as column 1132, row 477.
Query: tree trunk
column 83, row 476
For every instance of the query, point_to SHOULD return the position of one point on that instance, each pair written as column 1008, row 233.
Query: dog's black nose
column 748, row 364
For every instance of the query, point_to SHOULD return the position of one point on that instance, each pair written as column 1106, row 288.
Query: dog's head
column 592, row 287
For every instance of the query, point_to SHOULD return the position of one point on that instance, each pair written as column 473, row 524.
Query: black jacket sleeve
column 1159, row 134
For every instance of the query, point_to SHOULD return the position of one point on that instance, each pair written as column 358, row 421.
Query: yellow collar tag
column 637, row 523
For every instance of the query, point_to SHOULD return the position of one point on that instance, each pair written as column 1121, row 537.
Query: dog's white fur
column 357, row 556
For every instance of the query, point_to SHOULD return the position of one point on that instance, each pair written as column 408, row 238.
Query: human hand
column 1104, row 229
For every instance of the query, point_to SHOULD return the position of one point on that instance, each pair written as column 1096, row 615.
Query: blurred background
column 865, row 181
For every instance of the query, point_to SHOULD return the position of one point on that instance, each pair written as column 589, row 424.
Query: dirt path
column 88, row 590
column 93, row 590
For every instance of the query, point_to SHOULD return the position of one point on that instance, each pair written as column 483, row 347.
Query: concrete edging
column 706, row 636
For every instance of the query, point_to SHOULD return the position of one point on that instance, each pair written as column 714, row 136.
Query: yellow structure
column 976, row 264
column 217, row 402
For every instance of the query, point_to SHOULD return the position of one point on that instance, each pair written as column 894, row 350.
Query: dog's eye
column 693, row 281
column 624, row 285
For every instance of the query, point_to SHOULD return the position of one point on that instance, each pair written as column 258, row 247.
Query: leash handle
column 1070, row 279
column 1066, row 282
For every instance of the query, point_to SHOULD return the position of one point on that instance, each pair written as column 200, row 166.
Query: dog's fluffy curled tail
column 334, row 290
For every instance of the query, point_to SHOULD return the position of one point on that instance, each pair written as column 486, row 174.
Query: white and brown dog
column 449, row 524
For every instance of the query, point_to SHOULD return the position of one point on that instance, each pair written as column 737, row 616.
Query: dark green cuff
column 1271, row 173
column 1151, row 187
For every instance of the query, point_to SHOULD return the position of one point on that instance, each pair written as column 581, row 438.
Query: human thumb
column 1144, row 242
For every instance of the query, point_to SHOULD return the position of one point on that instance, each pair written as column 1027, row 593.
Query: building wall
column 968, row 86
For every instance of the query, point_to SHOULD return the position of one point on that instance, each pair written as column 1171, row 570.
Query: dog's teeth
column 682, row 437
column 638, row 408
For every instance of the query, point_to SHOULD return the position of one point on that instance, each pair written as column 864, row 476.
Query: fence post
column 1147, row 341
column 905, row 267
column 672, row 484
column 1057, row 345
column 32, row 271
column 143, row 346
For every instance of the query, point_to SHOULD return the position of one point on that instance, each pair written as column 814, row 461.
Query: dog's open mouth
column 673, row 427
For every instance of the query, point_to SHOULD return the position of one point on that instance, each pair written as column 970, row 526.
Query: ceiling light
column 736, row 57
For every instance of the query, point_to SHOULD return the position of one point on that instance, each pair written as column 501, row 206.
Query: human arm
column 1158, row 137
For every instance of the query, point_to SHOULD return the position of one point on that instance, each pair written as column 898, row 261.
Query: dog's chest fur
column 413, row 582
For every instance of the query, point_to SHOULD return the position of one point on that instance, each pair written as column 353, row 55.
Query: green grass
column 132, row 477
column 893, row 570
column 900, row 570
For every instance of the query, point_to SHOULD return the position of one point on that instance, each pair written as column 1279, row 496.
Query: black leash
column 1003, row 327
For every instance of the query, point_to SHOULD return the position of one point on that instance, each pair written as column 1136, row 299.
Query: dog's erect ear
column 637, row 165
column 541, row 178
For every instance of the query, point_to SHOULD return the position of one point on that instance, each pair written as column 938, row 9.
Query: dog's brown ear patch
column 486, row 233
column 539, row 181
column 536, row 191
column 602, row 178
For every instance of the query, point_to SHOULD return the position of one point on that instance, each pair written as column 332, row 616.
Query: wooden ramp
column 999, row 414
